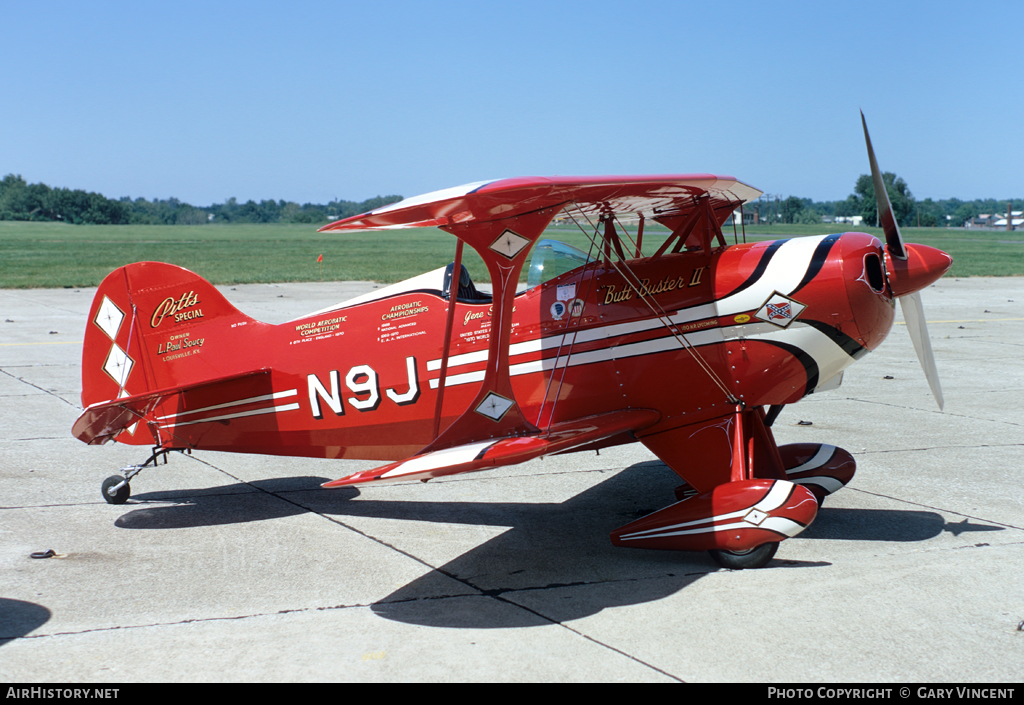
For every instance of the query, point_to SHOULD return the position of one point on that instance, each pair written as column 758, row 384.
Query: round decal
column 558, row 310
column 576, row 310
column 742, row 318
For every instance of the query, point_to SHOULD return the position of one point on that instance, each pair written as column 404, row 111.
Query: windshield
column 551, row 258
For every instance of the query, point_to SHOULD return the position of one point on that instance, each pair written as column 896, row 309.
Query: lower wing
column 507, row 450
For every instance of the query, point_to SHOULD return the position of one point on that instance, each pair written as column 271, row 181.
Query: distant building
column 1016, row 221
column 997, row 221
column 734, row 218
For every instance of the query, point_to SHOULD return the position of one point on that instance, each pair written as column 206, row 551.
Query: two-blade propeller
column 910, row 268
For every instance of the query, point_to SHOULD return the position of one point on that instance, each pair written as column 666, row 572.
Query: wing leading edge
column 650, row 196
column 507, row 450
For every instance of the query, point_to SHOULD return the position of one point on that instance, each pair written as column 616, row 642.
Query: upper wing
column 507, row 450
column 650, row 196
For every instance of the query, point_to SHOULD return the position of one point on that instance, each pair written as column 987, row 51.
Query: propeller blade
column 913, row 314
column 886, row 218
column 912, row 276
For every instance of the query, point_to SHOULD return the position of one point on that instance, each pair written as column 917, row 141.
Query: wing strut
column 639, row 237
column 503, row 245
column 449, row 324
column 683, row 228
column 681, row 231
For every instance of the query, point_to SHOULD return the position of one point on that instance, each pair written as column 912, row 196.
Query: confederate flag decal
column 780, row 310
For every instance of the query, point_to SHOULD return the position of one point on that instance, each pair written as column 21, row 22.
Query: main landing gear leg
column 737, row 503
column 116, row 489
column 755, row 455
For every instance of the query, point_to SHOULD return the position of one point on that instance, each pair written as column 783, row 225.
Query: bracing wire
column 632, row 280
column 561, row 343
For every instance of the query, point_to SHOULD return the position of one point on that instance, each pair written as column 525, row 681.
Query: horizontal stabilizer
column 104, row 420
column 495, row 452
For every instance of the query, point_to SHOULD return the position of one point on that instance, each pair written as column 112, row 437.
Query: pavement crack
column 153, row 625
column 937, row 509
column 589, row 638
column 41, row 389
column 496, row 594
column 944, row 447
column 932, row 411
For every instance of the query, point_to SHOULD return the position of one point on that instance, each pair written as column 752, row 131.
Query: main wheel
column 741, row 560
column 119, row 496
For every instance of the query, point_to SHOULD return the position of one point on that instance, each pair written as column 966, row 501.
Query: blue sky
column 309, row 101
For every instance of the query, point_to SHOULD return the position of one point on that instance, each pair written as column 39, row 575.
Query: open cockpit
column 549, row 259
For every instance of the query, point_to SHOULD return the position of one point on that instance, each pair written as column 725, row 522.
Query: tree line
column 20, row 200
column 927, row 213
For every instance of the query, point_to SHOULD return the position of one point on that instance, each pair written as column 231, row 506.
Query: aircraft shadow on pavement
column 217, row 506
column 885, row 525
column 555, row 561
column 18, row 618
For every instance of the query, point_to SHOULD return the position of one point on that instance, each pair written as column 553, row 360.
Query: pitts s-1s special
column 689, row 345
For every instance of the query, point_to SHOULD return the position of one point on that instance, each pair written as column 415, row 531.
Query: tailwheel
column 742, row 560
column 116, row 489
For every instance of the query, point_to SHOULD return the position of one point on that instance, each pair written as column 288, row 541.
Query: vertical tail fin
column 147, row 329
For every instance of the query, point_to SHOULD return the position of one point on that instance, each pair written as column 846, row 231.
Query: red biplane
column 690, row 346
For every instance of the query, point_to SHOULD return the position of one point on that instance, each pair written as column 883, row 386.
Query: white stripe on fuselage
column 239, row 415
column 783, row 274
column 567, row 340
column 250, row 400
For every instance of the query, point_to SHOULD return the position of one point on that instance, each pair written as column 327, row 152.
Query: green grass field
column 55, row 255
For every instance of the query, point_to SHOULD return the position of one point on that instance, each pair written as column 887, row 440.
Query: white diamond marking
column 494, row 406
column 109, row 318
column 118, row 365
column 509, row 244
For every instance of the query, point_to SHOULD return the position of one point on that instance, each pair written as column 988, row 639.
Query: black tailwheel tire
column 742, row 560
column 120, row 496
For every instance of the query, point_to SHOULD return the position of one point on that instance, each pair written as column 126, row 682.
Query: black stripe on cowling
column 804, row 358
column 762, row 265
column 849, row 345
column 818, row 260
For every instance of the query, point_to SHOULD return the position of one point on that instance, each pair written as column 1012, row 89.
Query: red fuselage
column 765, row 323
